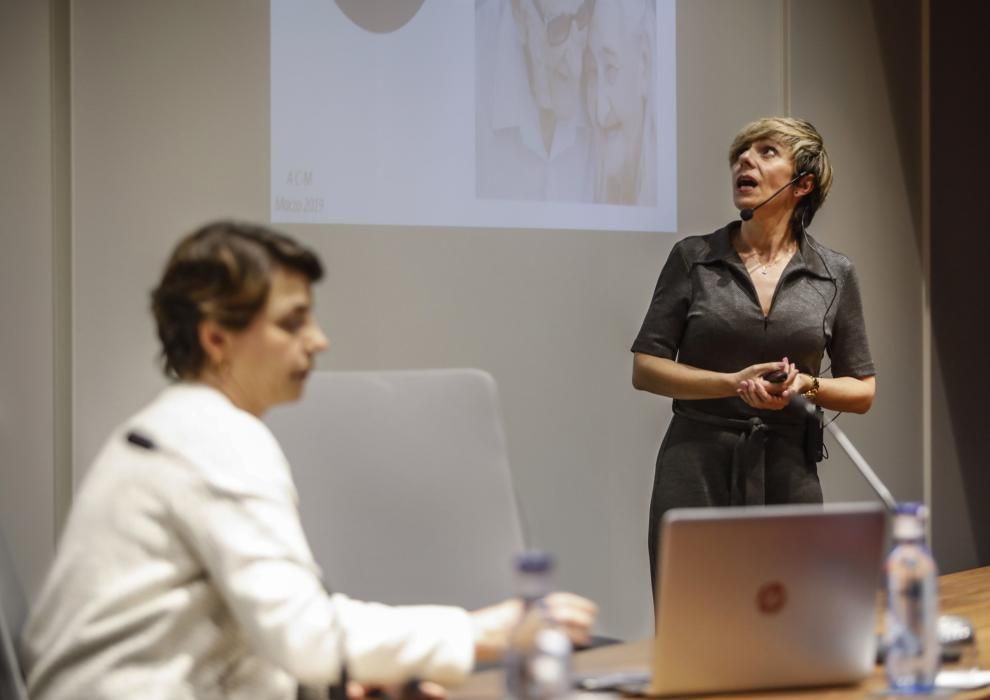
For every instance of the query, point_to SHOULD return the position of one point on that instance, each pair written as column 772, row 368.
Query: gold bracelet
column 811, row 393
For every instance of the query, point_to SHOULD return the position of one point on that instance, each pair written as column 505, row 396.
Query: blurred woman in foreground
column 183, row 571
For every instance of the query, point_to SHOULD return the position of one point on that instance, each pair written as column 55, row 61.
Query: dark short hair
column 221, row 271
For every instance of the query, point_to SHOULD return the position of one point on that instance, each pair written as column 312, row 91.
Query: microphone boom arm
column 863, row 466
column 846, row 444
column 747, row 213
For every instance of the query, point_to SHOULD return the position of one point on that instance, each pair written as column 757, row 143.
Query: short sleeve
column 849, row 350
column 663, row 326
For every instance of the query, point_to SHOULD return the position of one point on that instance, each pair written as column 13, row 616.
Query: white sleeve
column 255, row 551
column 387, row 644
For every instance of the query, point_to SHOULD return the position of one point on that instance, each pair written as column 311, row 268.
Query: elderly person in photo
column 533, row 140
column 619, row 76
column 183, row 571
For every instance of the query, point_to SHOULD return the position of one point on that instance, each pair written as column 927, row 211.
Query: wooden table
column 964, row 593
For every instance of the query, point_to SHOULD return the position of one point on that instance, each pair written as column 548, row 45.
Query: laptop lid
column 767, row 597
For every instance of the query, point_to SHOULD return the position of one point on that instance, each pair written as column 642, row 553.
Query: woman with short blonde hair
column 739, row 324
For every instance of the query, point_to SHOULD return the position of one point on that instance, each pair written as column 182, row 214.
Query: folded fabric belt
column 746, row 484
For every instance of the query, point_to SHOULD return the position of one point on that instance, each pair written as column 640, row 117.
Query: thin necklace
column 763, row 267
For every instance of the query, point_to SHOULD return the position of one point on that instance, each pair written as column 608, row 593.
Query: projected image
column 493, row 113
column 566, row 100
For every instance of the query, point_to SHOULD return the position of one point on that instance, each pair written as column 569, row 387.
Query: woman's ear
column 215, row 341
column 804, row 185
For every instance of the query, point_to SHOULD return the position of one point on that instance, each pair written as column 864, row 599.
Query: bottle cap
column 534, row 562
column 909, row 519
column 918, row 510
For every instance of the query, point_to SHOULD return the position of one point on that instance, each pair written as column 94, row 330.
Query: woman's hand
column 799, row 385
column 757, row 392
column 574, row 614
column 492, row 625
column 413, row 690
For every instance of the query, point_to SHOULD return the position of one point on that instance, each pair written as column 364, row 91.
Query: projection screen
column 494, row 113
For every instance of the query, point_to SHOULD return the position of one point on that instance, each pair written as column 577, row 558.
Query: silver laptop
column 766, row 597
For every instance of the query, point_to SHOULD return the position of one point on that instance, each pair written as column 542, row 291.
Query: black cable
column 835, row 291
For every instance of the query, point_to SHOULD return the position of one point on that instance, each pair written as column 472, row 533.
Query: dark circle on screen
column 380, row 16
column 771, row 598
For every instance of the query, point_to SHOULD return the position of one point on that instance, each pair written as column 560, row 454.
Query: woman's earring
column 223, row 367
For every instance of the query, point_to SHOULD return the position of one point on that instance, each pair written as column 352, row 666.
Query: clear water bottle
column 912, row 647
column 538, row 660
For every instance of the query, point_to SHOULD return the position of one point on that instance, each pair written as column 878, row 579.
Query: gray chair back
column 404, row 481
column 13, row 610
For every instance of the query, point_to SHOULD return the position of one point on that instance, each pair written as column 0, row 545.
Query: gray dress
column 705, row 313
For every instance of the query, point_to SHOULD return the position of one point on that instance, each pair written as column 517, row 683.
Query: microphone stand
column 864, row 468
column 846, row 444
column 955, row 632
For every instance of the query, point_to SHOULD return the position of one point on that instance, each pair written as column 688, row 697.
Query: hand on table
column 414, row 690
column 492, row 625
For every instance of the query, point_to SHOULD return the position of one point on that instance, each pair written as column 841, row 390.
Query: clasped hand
column 757, row 392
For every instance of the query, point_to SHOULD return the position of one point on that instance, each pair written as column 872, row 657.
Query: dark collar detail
column 718, row 248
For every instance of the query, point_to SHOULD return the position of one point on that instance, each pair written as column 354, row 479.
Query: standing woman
column 739, row 323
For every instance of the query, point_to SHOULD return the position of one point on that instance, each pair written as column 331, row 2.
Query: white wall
column 868, row 217
column 27, row 413
column 171, row 110
column 170, row 128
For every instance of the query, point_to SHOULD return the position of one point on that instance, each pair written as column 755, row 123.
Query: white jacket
column 183, row 572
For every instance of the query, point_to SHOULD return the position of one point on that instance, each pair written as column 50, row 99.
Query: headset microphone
column 747, row 213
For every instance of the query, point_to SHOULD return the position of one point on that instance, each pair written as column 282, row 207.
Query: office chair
column 13, row 610
column 406, row 494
